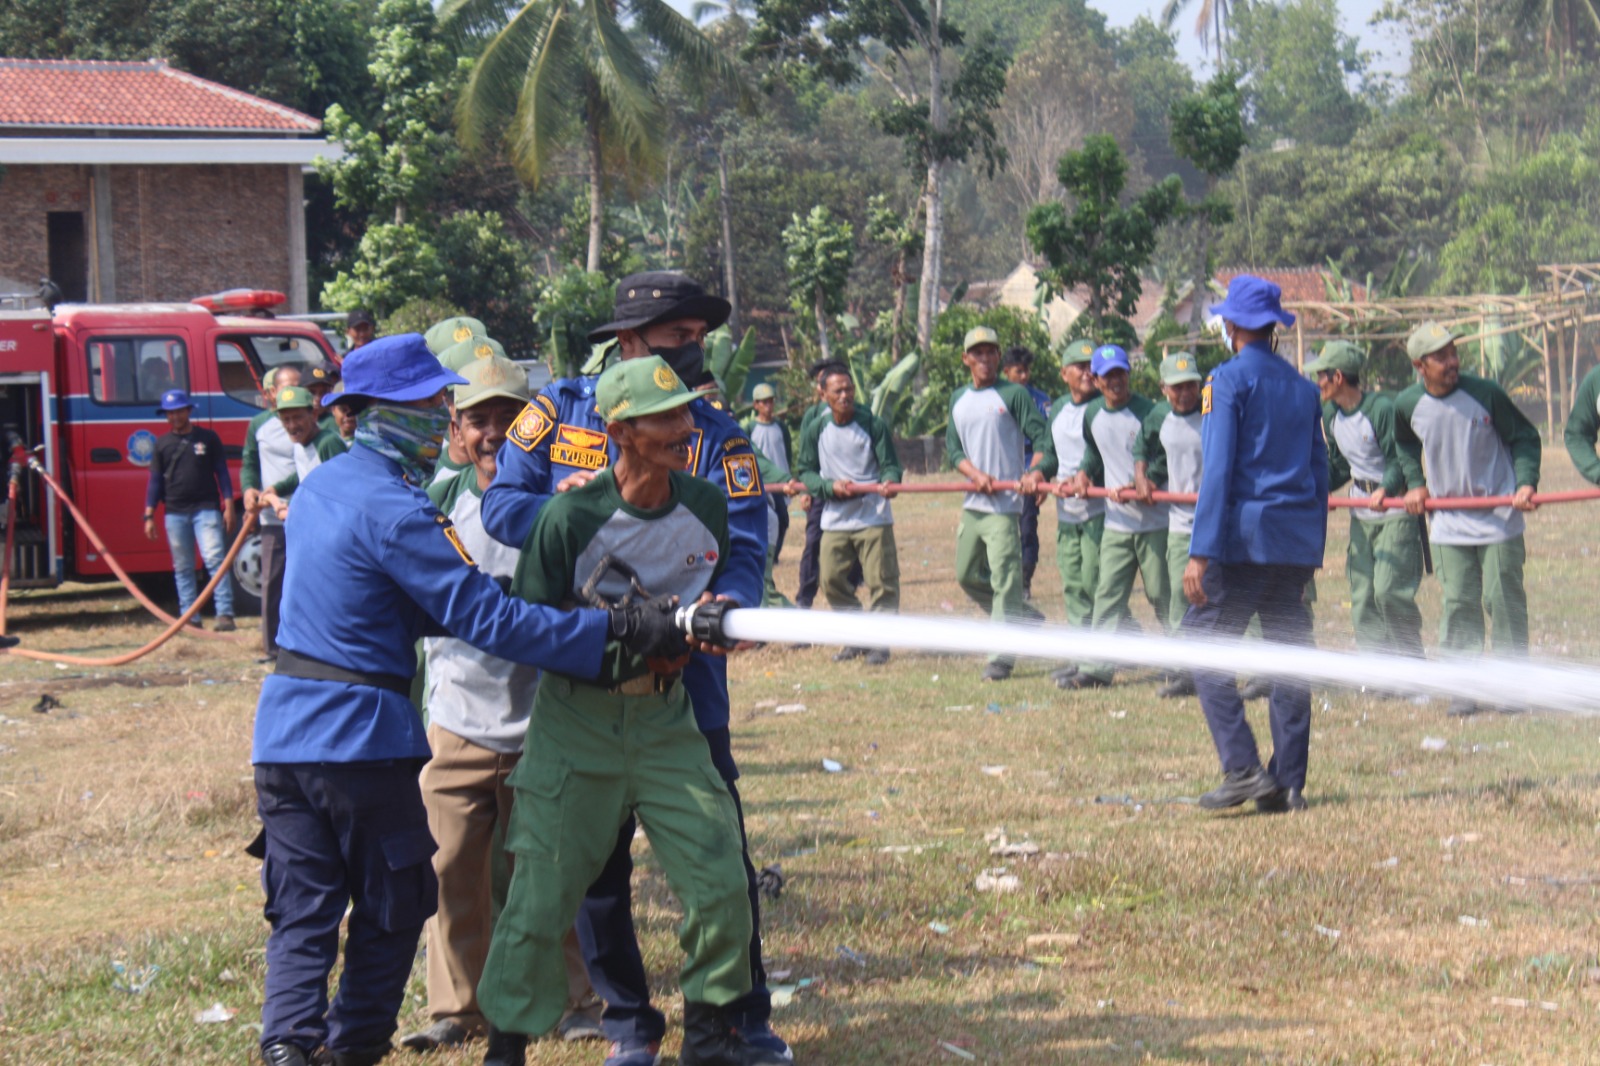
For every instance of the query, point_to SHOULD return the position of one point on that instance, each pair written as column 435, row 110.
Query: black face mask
column 688, row 361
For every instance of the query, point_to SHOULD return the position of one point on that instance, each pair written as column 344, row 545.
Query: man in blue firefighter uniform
column 558, row 435
column 1260, row 526
column 337, row 742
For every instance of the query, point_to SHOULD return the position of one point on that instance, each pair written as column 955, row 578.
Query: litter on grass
column 960, row 1053
column 1434, row 743
column 1331, row 934
column 940, row 928
column 832, row 767
column 215, row 1014
column 997, row 881
column 852, row 956
column 789, row 708
column 134, row 980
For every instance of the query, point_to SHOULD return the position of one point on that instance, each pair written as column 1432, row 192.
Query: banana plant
column 730, row 365
column 886, row 395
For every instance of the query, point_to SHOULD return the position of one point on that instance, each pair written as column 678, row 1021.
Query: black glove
column 646, row 628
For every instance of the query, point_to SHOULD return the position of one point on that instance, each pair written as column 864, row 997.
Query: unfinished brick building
column 135, row 182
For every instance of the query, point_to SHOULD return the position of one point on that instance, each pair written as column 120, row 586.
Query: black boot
column 505, row 1049
column 367, row 1056
column 281, row 1054
column 710, row 1040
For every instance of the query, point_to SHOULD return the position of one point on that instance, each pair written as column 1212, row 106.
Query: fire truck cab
column 79, row 389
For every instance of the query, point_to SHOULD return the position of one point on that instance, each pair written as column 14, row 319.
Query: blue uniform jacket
column 560, row 432
column 370, row 561
column 1264, row 482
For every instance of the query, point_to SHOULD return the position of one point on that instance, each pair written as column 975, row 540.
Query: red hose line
column 5, row 563
column 1436, row 503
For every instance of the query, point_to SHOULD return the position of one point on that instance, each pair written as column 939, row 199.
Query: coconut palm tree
column 1210, row 24
column 722, row 9
column 564, row 69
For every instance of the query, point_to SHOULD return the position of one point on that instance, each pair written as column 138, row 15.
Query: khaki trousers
column 874, row 549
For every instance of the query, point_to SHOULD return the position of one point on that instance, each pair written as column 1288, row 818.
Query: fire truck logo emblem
column 141, row 447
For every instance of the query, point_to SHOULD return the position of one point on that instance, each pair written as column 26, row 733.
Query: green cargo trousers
column 1177, row 562
column 1121, row 555
column 1078, row 559
column 1384, row 564
column 1479, row 576
column 592, row 756
column 873, row 548
column 989, row 568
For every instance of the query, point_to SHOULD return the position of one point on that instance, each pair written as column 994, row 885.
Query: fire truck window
column 135, row 371
column 262, row 353
column 238, row 376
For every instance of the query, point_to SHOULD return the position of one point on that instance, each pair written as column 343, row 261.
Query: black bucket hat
column 660, row 296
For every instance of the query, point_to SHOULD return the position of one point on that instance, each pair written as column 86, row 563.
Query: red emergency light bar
column 233, row 301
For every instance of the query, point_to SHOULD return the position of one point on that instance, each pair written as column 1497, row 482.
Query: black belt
column 293, row 664
column 1366, row 486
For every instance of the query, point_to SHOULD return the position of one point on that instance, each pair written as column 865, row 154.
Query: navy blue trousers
column 1028, row 528
column 810, row 564
column 342, row 834
column 1235, row 592
column 611, row 947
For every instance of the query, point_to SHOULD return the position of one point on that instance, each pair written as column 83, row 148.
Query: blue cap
column 1252, row 302
column 174, row 400
column 1108, row 357
column 398, row 367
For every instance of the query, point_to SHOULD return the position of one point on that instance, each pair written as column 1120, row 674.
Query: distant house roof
column 1299, row 284
column 49, row 94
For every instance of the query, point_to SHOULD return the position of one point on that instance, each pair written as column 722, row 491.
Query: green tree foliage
column 1207, row 130
column 818, row 252
column 1363, row 207
column 929, row 410
column 1155, row 80
column 1541, row 209
column 1103, row 244
column 561, row 70
column 1296, row 63
column 304, row 54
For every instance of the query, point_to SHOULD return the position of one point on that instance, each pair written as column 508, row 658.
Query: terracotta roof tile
column 1299, row 284
column 69, row 94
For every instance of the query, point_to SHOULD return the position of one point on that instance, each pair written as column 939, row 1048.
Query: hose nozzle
column 703, row 621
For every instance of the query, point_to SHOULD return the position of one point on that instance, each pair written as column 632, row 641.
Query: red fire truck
column 81, row 386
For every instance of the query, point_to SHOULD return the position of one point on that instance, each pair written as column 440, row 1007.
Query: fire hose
column 175, row 626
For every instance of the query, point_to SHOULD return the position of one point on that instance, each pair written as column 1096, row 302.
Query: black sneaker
column 1062, row 673
column 1080, row 681
column 1463, row 708
column 505, row 1049
column 224, row 624
column 1258, row 688
column 877, row 656
column 997, row 672
column 1240, row 786
column 283, row 1055
column 1180, row 685
column 844, row 655
column 442, row 1033
column 1283, row 801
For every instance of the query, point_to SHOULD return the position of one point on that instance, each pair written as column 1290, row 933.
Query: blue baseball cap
column 174, row 400
column 1252, row 302
column 1109, row 357
column 399, row 367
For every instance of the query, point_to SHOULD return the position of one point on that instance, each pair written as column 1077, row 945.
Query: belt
column 1365, row 485
column 645, row 685
column 293, row 664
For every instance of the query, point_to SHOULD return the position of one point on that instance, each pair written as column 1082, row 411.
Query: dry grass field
column 1433, row 906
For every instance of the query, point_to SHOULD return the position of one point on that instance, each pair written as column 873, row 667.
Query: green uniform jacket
column 1512, row 426
column 1147, row 447
column 808, row 466
column 1583, row 427
column 1023, row 410
column 250, row 463
column 1379, row 409
column 574, row 524
column 814, row 412
column 327, row 444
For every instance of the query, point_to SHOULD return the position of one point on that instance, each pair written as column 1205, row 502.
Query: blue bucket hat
column 174, row 400
column 398, row 367
column 1109, row 357
column 1252, row 302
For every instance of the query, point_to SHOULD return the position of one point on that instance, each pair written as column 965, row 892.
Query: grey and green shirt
column 1583, row 427
column 480, row 698
column 1362, row 451
column 861, row 450
column 268, row 458
column 307, row 457
column 1474, row 442
column 991, row 428
column 1169, row 446
column 772, row 440
column 1062, row 453
column 677, row 549
column 1108, row 438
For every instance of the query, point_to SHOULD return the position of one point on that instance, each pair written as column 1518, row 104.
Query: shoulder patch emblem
column 448, row 528
column 547, row 403
column 1205, row 398
column 531, row 427
column 744, row 479
column 579, row 447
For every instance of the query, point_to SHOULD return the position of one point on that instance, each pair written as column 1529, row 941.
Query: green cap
column 490, row 378
column 1427, row 339
column 1337, row 355
column 1079, row 351
column 458, row 357
column 763, row 391
column 292, row 396
column 980, row 335
column 634, row 388
column 442, row 335
column 1178, row 368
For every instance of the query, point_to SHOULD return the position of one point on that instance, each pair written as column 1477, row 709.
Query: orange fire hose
column 174, row 625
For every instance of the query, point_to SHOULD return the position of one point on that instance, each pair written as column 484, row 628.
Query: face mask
column 687, row 360
column 408, row 435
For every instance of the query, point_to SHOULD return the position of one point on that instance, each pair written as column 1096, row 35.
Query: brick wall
column 178, row 232
column 27, row 195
